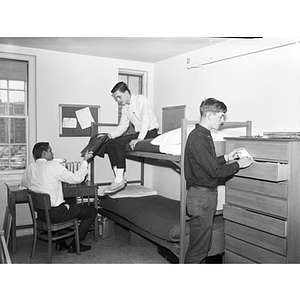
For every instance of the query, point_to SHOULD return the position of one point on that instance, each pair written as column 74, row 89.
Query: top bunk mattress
column 170, row 143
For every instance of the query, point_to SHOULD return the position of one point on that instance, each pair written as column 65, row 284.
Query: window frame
column 31, row 120
column 134, row 73
column 143, row 74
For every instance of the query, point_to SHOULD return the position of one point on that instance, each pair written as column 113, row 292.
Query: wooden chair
column 41, row 202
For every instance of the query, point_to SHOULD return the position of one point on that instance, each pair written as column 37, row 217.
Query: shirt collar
column 132, row 98
column 203, row 129
column 40, row 160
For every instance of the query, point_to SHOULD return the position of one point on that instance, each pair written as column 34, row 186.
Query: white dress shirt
column 140, row 113
column 45, row 176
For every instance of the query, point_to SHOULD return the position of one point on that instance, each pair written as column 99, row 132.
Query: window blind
column 13, row 70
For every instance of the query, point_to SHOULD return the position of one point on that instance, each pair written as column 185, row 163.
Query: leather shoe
column 61, row 245
column 83, row 248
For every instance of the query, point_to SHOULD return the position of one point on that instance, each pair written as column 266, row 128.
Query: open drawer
column 265, row 171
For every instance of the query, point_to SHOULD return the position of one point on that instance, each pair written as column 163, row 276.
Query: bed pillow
column 173, row 137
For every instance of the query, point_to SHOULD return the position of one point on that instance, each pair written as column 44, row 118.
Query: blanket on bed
column 155, row 214
column 144, row 146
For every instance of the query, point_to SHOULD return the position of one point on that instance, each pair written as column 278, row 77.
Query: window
column 136, row 82
column 13, row 120
column 17, row 112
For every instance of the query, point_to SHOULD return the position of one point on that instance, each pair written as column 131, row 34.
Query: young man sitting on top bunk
column 202, row 168
column 137, row 110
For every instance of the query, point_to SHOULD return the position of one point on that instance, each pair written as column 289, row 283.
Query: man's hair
column 38, row 149
column 212, row 105
column 120, row 86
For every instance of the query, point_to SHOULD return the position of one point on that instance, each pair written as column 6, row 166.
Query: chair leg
column 33, row 243
column 77, row 239
column 49, row 246
column 2, row 258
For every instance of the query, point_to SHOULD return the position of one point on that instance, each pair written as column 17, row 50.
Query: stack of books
column 282, row 135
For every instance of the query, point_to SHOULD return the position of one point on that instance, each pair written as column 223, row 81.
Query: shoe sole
column 115, row 190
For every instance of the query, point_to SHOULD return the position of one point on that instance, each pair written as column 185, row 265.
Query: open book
column 95, row 143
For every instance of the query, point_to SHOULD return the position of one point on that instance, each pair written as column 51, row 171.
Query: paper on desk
column 84, row 117
column 69, row 123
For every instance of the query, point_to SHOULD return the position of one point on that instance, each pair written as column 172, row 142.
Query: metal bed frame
column 178, row 249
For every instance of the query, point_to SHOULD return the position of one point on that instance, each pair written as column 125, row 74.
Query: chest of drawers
column 262, row 204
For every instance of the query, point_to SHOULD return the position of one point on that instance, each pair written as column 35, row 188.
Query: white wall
column 262, row 87
column 64, row 78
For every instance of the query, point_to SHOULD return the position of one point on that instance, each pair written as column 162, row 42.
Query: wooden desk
column 83, row 190
column 71, row 191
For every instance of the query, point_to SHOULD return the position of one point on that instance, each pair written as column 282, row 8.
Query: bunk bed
column 154, row 217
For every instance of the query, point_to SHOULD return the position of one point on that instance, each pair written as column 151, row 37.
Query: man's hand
column 245, row 162
column 133, row 143
column 88, row 155
column 234, row 154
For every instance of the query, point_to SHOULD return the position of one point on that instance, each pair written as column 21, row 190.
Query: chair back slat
column 40, row 200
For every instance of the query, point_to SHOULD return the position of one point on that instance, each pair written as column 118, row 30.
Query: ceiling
column 144, row 49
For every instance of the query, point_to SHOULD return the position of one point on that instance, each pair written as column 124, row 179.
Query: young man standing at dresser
column 202, row 169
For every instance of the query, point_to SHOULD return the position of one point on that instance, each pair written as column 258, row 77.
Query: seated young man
column 137, row 110
column 46, row 176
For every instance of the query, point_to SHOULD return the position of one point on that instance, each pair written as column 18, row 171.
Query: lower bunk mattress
column 158, row 215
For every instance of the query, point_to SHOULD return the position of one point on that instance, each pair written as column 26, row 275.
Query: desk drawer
column 255, row 220
column 256, row 237
column 262, row 149
column 252, row 252
column 265, row 171
column 276, row 189
column 261, row 203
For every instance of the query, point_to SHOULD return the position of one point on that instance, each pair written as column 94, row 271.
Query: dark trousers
column 86, row 214
column 201, row 206
column 115, row 148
